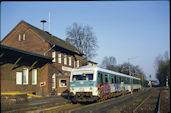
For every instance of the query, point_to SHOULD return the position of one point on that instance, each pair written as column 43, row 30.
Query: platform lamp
column 43, row 21
column 129, row 64
column 130, row 70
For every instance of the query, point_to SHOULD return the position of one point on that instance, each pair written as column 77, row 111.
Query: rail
column 134, row 111
column 157, row 109
column 153, row 97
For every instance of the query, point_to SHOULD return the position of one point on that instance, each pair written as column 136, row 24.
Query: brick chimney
column 67, row 40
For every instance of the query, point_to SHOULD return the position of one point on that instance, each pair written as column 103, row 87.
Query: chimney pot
column 67, row 40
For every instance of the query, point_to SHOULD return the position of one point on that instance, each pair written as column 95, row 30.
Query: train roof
column 102, row 69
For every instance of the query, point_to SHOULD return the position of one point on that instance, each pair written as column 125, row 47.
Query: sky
column 124, row 29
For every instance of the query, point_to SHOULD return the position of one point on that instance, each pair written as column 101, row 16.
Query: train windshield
column 85, row 77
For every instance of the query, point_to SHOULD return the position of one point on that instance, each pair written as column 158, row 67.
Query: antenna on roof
column 49, row 22
column 43, row 21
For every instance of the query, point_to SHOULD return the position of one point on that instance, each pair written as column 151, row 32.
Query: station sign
column 42, row 84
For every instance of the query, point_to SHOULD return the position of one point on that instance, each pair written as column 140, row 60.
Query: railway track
column 149, row 104
column 64, row 109
column 87, row 108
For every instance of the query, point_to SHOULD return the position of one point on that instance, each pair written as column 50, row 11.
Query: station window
column 19, row 37
column 78, row 63
column 70, row 60
column 65, row 59
column 34, row 76
column 59, row 58
column 63, row 83
column 25, row 75
column 53, row 81
column 24, row 36
column 53, row 55
column 19, row 78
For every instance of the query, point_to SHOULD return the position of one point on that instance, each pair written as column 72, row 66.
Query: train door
column 111, row 83
column 100, row 85
column 107, row 86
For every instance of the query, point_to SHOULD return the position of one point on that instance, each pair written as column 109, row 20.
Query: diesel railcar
column 91, row 83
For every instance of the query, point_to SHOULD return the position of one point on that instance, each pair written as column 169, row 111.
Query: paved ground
column 35, row 103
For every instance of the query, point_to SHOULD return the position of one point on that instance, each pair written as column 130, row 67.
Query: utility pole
column 130, row 72
column 150, row 82
column 49, row 23
column 129, row 64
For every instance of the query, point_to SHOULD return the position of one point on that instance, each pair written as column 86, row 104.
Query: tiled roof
column 53, row 40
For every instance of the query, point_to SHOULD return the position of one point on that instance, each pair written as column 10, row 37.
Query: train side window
column 125, row 80
column 128, row 80
column 112, row 80
column 101, row 78
column 115, row 79
column 118, row 81
column 106, row 79
column 98, row 78
column 133, row 81
column 122, row 79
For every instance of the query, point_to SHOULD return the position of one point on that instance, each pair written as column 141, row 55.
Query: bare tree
column 162, row 65
column 83, row 38
column 108, row 62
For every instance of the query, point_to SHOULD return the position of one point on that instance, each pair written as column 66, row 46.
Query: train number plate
column 81, row 89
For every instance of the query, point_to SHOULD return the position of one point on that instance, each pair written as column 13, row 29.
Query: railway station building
column 23, row 71
column 55, row 74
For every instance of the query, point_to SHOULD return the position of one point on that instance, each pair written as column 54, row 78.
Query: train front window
column 82, row 77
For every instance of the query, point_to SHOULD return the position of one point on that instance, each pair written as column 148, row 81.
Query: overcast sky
column 124, row 29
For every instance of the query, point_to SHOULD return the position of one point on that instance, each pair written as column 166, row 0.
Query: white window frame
column 19, row 37
column 19, row 78
column 60, row 83
column 54, row 81
column 59, row 58
column 27, row 76
column 24, row 36
column 70, row 60
column 53, row 55
column 78, row 64
column 65, row 59
column 74, row 63
column 34, row 76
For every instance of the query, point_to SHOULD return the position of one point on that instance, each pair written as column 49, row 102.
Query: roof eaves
column 25, row 52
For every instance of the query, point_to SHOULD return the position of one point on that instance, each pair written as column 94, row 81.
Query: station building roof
column 10, row 54
column 53, row 40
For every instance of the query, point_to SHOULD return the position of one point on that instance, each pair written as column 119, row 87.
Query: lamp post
column 130, row 72
column 43, row 21
column 129, row 64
